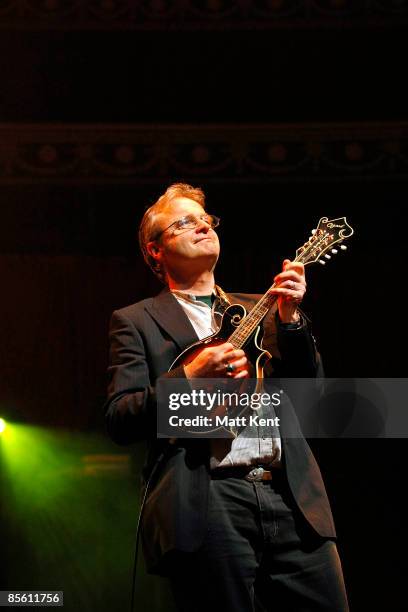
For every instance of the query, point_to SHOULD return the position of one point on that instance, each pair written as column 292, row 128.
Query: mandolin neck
column 243, row 332
column 316, row 249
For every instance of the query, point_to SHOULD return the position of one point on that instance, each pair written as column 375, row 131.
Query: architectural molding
column 131, row 154
column 199, row 14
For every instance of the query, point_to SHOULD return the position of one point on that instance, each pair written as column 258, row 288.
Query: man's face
column 197, row 248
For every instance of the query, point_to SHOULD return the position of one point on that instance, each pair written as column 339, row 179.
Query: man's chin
column 205, row 241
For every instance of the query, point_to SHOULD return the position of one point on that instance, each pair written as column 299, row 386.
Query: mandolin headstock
column 325, row 237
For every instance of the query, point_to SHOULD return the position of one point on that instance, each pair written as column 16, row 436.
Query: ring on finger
column 229, row 367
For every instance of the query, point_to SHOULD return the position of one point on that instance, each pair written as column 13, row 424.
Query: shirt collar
column 189, row 297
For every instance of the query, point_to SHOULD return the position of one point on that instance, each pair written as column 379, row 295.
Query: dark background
column 211, row 79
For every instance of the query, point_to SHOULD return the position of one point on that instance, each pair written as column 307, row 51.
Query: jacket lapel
column 171, row 317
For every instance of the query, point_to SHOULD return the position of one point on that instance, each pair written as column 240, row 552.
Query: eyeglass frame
column 202, row 218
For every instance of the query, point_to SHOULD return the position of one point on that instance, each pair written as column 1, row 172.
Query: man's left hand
column 290, row 287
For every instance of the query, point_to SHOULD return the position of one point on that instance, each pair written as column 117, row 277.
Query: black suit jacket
column 145, row 339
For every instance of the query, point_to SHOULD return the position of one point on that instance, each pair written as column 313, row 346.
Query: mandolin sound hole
column 236, row 319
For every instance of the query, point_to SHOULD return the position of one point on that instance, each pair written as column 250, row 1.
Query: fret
column 245, row 329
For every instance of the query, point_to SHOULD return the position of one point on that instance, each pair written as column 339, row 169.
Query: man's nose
column 203, row 226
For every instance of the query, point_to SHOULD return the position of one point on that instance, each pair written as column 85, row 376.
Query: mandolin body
column 231, row 319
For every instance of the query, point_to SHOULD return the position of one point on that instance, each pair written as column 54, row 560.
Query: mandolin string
column 244, row 330
column 249, row 323
column 241, row 334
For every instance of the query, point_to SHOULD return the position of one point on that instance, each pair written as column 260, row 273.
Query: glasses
column 190, row 222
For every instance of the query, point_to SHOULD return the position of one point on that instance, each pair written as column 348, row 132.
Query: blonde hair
column 148, row 229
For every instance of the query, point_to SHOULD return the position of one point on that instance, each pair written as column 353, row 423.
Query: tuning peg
column 343, row 247
column 321, row 262
column 327, row 256
column 313, row 232
column 334, row 251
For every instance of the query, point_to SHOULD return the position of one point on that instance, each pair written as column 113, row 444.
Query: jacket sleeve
column 131, row 403
column 294, row 351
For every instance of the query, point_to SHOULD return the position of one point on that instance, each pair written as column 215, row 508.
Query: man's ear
column 153, row 249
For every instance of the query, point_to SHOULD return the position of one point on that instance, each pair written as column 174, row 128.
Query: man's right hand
column 212, row 362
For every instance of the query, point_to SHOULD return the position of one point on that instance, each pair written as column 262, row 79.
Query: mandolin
column 242, row 329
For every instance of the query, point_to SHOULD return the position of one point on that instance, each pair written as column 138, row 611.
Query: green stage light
column 3, row 425
column 58, row 502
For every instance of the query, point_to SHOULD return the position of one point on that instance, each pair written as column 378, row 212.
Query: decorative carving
column 198, row 14
column 142, row 153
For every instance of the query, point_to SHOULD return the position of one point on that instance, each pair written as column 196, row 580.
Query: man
column 236, row 528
